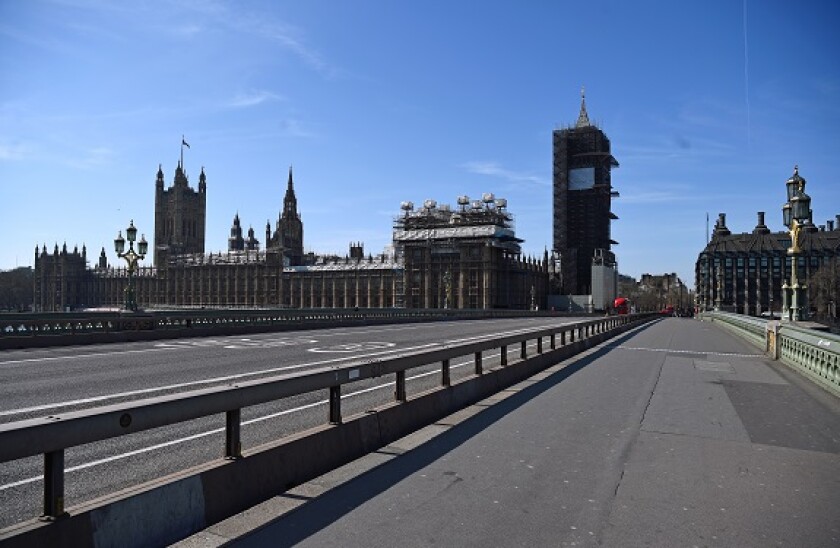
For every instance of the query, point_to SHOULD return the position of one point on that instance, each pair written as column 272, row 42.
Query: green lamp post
column 795, row 213
column 132, row 258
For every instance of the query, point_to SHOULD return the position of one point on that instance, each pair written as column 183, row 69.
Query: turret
column 202, row 182
column 252, row 244
column 236, row 242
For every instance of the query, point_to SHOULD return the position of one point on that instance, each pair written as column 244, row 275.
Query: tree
column 824, row 288
column 16, row 292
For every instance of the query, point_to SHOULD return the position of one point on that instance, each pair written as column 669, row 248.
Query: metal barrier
column 813, row 353
column 50, row 436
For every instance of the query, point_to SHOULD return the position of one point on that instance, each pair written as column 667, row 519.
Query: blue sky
column 708, row 106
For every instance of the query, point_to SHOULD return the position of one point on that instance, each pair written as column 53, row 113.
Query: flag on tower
column 184, row 142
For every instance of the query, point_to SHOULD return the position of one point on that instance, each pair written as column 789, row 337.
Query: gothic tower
column 582, row 196
column 180, row 214
column 288, row 234
column 236, row 242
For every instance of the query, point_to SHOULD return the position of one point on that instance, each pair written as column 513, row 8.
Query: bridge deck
column 677, row 434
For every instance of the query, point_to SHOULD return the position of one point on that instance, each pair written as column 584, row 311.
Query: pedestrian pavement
column 674, row 434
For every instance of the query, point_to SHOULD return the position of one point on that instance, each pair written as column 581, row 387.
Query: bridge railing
column 815, row 354
column 57, row 328
column 51, row 436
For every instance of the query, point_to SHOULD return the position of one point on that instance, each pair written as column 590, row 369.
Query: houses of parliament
column 443, row 257
column 465, row 255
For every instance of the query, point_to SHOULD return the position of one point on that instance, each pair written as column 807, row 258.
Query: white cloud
column 92, row 158
column 253, row 98
column 653, row 197
column 493, row 169
column 293, row 128
column 13, row 152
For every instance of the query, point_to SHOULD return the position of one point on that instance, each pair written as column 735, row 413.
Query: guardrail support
column 539, row 345
column 445, row 378
column 553, row 342
column 53, row 485
column 233, row 441
column 335, row 404
column 503, row 356
column 523, row 352
column 478, row 367
column 399, row 390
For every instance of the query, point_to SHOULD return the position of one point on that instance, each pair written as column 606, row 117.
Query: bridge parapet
column 813, row 353
column 71, row 328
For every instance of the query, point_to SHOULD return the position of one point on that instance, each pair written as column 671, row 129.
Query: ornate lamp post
column 795, row 213
column 447, row 289
column 132, row 259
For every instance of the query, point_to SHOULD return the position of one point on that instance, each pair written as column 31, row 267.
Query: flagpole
column 182, row 153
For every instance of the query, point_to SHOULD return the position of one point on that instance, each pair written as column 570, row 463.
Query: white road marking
column 643, row 349
column 229, row 340
column 160, row 346
column 201, row 382
column 353, row 347
column 220, row 430
column 106, row 397
column 216, row 430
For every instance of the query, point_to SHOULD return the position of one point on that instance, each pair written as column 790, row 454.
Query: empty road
column 49, row 382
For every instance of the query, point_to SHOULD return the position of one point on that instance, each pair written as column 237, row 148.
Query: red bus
column 622, row 305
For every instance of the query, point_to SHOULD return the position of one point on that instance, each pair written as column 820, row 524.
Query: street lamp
column 132, row 259
column 447, row 288
column 795, row 213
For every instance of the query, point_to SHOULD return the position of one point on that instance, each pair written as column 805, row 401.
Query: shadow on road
column 311, row 517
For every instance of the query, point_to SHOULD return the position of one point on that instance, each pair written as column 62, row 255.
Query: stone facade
column 745, row 273
column 468, row 258
column 180, row 216
column 480, row 264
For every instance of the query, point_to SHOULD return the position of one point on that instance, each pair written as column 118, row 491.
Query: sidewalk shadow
column 309, row 518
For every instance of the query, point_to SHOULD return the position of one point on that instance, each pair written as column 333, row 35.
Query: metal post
column 399, row 392
column 53, row 485
column 562, row 338
column 539, row 345
column 504, row 355
column 233, row 441
column 553, row 342
column 523, row 352
column 478, row 368
column 445, row 379
column 335, row 404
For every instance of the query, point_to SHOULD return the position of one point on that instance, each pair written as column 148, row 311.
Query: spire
column 290, row 201
column 159, row 178
column 583, row 117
